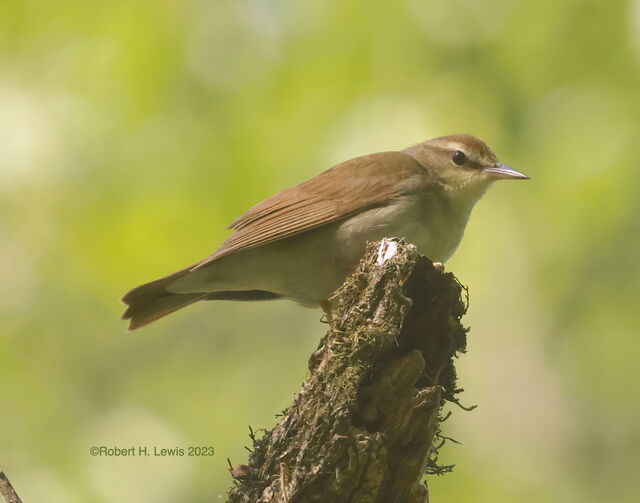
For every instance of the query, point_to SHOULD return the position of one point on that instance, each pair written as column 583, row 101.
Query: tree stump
column 362, row 428
column 7, row 490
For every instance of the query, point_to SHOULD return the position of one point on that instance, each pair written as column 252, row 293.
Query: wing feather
column 365, row 182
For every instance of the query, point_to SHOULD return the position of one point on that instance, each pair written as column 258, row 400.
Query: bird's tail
column 152, row 301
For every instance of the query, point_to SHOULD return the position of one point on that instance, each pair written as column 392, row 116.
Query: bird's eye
column 459, row 158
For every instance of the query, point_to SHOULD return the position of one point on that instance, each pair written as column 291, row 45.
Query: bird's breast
column 429, row 224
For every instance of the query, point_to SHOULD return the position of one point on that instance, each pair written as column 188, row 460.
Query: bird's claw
column 327, row 317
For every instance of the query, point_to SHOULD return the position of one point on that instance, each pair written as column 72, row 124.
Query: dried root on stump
column 362, row 427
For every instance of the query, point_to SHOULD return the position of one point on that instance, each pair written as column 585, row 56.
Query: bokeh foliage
column 131, row 133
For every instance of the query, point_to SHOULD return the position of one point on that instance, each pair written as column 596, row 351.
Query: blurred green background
column 132, row 133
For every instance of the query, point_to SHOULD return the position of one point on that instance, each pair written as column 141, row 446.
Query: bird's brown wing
column 364, row 182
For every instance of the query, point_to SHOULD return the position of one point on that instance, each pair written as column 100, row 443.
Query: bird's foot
column 327, row 317
column 439, row 266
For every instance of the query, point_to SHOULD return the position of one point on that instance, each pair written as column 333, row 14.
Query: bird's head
column 462, row 161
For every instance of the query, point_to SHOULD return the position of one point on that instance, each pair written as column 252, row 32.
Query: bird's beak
column 502, row 172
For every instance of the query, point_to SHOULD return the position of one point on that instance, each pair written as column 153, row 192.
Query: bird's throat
column 462, row 197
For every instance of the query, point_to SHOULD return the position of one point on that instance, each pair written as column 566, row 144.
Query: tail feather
column 151, row 301
column 141, row 314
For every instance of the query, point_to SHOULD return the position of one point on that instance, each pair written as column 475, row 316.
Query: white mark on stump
column 386, row 250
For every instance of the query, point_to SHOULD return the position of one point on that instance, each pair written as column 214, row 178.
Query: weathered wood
column 7, row 491
column 362, row 428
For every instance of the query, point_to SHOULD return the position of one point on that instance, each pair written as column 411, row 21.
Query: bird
column 302, row 243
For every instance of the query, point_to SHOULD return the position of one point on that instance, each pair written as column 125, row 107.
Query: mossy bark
column 7, row 490
column 362, row 427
